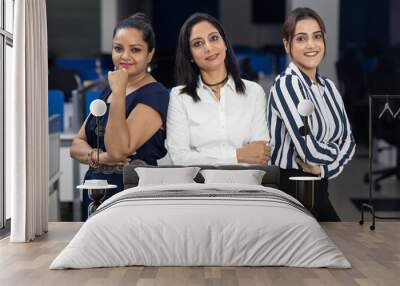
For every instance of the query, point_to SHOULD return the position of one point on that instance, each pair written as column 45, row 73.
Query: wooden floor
column 374, row 255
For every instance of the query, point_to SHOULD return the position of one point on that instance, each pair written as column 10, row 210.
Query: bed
column 201, row 224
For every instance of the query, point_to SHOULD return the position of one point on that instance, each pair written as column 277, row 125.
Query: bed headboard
column 270, row 179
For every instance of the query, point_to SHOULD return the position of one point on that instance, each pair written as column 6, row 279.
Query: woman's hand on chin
column 118, row 81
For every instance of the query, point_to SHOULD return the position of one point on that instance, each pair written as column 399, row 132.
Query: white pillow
column 165, row 176
column 248, row 177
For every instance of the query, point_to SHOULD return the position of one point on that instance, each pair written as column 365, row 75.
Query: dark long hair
column 187, row 72
column 141, row 22
column 297, row 15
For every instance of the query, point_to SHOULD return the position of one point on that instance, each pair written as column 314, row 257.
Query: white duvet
column 185, row 230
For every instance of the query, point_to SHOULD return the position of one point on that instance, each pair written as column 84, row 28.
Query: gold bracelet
column 93, row 163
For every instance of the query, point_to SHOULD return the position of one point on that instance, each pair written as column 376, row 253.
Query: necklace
column 137, row 82
column 215, row 84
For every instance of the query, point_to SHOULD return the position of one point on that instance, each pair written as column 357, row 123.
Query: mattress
column 201, row 225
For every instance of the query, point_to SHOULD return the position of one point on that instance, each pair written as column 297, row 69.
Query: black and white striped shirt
column 330, row 144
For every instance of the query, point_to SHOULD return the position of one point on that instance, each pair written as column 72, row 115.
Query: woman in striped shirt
column 330, row 143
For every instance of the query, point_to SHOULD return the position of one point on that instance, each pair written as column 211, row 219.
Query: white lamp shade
column 305, row 107
column 98, row 107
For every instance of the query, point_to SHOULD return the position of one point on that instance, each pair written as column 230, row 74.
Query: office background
column 363, row 57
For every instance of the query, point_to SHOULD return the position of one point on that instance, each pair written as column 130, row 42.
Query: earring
column 115, row 68
column 148, row 69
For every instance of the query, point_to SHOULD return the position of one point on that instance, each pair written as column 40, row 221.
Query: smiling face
column 307, row 47
column 207, row 47
column 130, row 51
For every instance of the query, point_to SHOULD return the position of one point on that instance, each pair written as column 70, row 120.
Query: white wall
column 329, row 12
column 235, row 16
column 108, row 20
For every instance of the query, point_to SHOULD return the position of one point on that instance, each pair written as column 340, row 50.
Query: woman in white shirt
column 214, row 116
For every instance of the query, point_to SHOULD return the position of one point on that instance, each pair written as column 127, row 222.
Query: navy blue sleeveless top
column 154, row 95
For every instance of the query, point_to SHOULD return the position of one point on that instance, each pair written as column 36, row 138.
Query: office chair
column 56, row 106
column 64, row 80
column 246, row 71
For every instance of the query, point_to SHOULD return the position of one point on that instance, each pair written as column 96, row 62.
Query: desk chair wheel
column 372, row 227
column 361, row 222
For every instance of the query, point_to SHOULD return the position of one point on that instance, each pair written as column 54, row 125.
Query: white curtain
column 27, row 123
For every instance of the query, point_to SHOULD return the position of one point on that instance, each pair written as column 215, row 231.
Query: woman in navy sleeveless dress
column 136, row 103
column 154, row 95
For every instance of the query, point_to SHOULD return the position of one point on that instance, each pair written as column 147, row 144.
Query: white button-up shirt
column 209, row 131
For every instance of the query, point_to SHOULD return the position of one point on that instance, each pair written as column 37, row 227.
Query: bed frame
column 270, row 179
